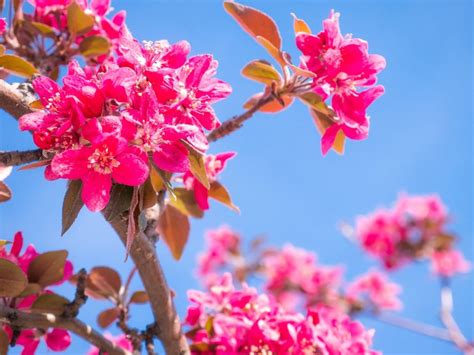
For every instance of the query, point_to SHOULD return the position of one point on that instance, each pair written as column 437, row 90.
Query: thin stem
column 234, row 123
column 446, row 315
column 414, row 326
column 24, row 320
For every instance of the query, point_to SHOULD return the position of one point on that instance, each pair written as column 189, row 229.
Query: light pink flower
column 375, row 288
column 449, row 262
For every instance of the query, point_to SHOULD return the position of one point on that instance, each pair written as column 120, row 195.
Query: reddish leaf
column 36, row 164
column 300, row 25
column 49, row 303
column 12, row 279
column 197, row 166
column 5, row 192
column 271, row 107
column 107, row 317
column 220, row 193
column 17, row 66
column 4, row 340
column 104, row 281
column 276, row 53
column 47, row 268
column 185, row 202
column 78, row 21
column 139, row 297
column 254, row 22
column 72, row 204
column 174, row 228
column 94, row 46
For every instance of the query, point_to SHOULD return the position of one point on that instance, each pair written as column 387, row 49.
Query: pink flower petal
column 132, row 171
column 58, row 339
column 96, row 191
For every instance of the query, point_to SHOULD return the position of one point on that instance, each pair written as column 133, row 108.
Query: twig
column 234, row 123
column 446, row 315
column 72, row 309
column 21, row 319
column 13, row 101
column 15, row 158
column 414, row 326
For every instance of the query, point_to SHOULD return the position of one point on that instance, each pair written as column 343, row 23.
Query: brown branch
column 21, row 319
column 13, row 101
column 144, row 256
column 234, row 123
column 71, row 310
column 15, row 158
column 446, row 315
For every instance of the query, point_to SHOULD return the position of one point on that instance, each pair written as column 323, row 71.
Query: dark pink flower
column 119, row 340
column 97, row 166
column 3, row 25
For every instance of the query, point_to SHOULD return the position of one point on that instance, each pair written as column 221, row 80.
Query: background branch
column 13, row 100
column 16, row 318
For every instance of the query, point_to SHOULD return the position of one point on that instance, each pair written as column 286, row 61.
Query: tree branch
column 144, row 256
column 22, row 319
column 13, row 101
column 446, row 315
column 234, row 123
column 15, row 158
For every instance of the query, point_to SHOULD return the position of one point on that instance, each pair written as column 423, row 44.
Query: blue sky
column 420, row 142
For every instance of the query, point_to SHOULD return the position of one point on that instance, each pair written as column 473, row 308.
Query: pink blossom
column 214, row 165
column 341, row 65
column 120, row 340
column 449, row 262
column 292, row 273
column 97, row 166
column 376, row 289
column 230, row 321
column 3, row 25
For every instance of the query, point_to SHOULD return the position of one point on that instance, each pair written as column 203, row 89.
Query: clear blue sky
column 420, row 142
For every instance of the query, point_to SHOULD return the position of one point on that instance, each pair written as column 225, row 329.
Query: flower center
column 102, row 161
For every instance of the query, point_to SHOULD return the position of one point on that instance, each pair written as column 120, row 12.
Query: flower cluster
column 292, row 273
column 373, row 289
column 55, row 15
column 414, row 228
column 341, row 65
column 150, row 106
column 226, row 320
column 29, row 339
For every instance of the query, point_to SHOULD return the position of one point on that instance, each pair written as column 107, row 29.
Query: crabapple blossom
column 226, row 320
column 447, row 263
column 375, row 288
column 104, row 123
column 3, row 25
column 412, row 229
column 29, row 339
column 342, row 65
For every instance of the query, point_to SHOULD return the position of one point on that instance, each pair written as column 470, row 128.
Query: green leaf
column 72, row 204
column 174, row 228
column 139, row 297
column 17, row 66
column 254, row 22
column 185, row 201
column 107, row 317
column 220, row 193
column 148, row 196
column 5, row 192
column 4, row 242
column 261, row 71
column 120, row 198
column 47, row 268
column 12, row 279
column 78, row 21
column 94, row 46
column 49, row 303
